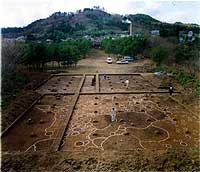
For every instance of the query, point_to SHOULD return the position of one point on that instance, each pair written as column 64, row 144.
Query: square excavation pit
column 47, row 116
column 116, row 83
column 88, row 85
column 60, row 85
column 143, row 121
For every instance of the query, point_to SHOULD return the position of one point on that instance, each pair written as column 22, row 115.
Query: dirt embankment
column 25, row 98
column 172, row 160
column 17, row 107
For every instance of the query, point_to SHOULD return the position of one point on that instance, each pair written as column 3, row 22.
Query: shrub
column 159, row 54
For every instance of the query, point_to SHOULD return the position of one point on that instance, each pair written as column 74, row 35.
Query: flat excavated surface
column 88, row 85
column 47, row 117
column 113, row 83
column 143, row 121
column 153, row 122
column 60, row 84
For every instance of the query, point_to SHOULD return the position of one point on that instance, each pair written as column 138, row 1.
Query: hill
column 93, row 22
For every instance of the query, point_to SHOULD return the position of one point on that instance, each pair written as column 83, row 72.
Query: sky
column 19, row 13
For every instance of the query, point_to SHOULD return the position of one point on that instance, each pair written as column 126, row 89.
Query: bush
column 197, row 86
column 159, row 54
column 184, row 79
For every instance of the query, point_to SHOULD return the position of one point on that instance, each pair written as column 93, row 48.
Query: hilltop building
column 155, row 32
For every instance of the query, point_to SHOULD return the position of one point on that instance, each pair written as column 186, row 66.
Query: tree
column 183, row 52
column 12, row 53
column 83, row 46
column 125, row 46
column 35, row 55
column 159, row 54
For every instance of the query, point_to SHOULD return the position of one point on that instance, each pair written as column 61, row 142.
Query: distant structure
column 187, row 36
column 49, row 40
column 18, row 39
column 96, row 43
column 131, row 29
column 131, row 25
column 155, row 32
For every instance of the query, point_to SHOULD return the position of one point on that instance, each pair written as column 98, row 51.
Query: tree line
column 125, row 46
column 36, row 55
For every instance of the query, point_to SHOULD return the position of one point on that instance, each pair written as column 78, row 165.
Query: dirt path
column 97, row 63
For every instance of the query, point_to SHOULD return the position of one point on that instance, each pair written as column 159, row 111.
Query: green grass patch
column 185, row 79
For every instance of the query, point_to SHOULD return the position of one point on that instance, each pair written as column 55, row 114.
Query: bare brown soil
column 60, row 84
column 149, row 122
column 115, row 83
column 18, row 106
column 46, row 119
column 24, row 99
column 152, row 132
column 96, row 62
column 112, row 161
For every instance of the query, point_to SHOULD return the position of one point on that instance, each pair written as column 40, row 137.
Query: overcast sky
column 22, row 12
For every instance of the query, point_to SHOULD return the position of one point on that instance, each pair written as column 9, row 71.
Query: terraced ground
column 69, row 127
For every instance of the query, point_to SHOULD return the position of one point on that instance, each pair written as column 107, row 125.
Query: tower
column 131, row 29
